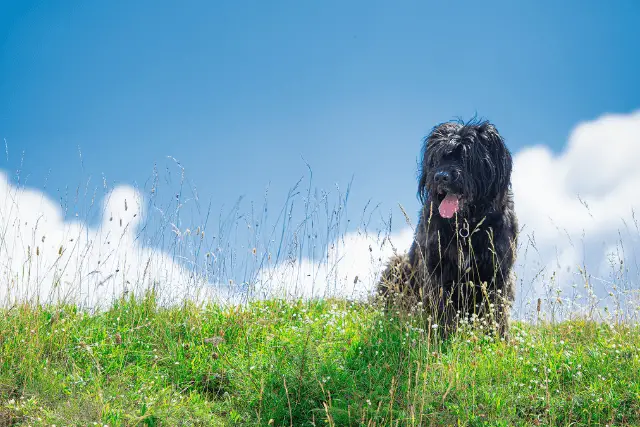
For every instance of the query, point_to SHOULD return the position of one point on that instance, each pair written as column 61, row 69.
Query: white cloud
column 43, row 258
column 578, row 206
column 349, row 269
column 599, row 165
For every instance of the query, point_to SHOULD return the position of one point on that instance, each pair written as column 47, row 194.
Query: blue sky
column 241, row 91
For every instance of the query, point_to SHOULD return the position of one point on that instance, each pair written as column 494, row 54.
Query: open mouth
column 450, row 205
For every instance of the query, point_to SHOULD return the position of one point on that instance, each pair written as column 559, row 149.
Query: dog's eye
column 458, row 151
column 453, row 153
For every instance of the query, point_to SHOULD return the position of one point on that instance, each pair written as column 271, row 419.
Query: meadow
column 306, row 363
column 152, row 355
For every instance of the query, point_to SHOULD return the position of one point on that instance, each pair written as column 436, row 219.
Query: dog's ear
column 430, row 146
column 500, row 154
column 423, row 167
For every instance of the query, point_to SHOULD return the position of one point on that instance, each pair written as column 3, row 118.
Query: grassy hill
column 331, row 363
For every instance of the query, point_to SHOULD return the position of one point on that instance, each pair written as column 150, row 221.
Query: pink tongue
column 448, row 206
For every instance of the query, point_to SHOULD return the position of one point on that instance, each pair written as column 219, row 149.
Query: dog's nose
column 442, row 177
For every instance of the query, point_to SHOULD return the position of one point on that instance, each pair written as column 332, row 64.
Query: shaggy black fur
column 461, row 259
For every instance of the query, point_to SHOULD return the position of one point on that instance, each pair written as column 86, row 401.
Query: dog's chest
column 460, row 253
column 457, row 253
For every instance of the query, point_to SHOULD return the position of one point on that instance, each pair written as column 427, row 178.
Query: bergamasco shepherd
column 460, row 262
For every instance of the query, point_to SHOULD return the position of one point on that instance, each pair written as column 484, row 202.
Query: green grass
column 306, row 363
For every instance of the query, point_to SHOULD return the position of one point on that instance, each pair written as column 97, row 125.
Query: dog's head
column 465, row 166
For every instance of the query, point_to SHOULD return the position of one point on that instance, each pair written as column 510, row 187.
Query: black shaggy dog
column 460, row 262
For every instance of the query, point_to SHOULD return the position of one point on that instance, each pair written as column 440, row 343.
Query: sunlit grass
column 305, row 363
